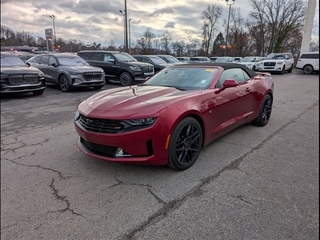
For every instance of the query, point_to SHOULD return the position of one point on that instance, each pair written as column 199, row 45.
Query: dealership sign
column 48, row 33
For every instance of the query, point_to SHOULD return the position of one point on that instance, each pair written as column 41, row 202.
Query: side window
column 146, row 60
column 235, row 73
column 97, row 57
column 107, row 57
column 37, row 59
column 52, row 60
column 44, row 60
column 84, row 55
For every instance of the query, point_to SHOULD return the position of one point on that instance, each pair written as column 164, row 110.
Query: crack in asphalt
column 234, row 165
column 63, row 199
column 35, row 166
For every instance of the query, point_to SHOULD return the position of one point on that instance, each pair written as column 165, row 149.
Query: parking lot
column 254, row 183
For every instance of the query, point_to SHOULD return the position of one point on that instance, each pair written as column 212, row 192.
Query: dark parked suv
column 119, row 66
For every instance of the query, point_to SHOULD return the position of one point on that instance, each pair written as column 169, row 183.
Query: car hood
column 19, row 70
column 84, row 68
column 274, row 60
column 137, row 98
column 244, row 63
column 140, row 64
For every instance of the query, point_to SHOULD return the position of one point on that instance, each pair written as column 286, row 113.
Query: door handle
column 248, row 89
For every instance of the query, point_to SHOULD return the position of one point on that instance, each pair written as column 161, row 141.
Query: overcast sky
column 100, row 20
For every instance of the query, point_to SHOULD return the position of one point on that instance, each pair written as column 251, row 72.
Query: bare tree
column 145, row 42
column 210, row 18
column 166, row 42
column 274, row 20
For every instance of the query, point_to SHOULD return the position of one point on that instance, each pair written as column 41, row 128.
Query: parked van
column 308, row 62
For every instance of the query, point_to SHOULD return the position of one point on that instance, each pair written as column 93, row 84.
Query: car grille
column 92, row 76
column 148, row 69
column 100, row 125
column 100, row 149
column 19, row 79
column 267, row 64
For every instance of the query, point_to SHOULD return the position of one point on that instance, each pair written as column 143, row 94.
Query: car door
column 44, row 67
column 53, row 69
column 233, row 105
column 104, row 61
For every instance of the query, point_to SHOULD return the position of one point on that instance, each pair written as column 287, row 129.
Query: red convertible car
column 168, row 119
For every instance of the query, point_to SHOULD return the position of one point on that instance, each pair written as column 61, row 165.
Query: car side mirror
column 27, row 64
column 54, row 64
column 111, row 60
column 228, row 83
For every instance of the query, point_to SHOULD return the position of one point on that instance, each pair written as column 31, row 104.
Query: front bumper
column 79, row 81
column 23, row 88
column 144, row 146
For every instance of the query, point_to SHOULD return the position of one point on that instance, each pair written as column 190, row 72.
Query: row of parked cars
column 93, row 68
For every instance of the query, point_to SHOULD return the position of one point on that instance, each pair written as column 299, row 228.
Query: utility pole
column 126, row 23
column 307, row 31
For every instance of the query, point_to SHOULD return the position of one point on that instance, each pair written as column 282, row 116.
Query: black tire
column 64, row 83
column 307, row 69
column 38, row 92
column 264, row 112
column 185, row 144
column 283, row 70
column 254, row 68
column 125, row 79
column 290, row 69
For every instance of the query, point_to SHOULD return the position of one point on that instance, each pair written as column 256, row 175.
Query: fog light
column 121, row 153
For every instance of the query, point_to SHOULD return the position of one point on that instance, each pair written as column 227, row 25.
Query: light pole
column 129, row 37
column 54, row 30
column 124, row 28
column 229, row 2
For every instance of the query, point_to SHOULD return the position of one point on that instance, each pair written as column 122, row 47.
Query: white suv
column 277, row 62
column 308, row 62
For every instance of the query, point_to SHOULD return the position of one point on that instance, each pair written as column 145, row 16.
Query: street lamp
column 229, row 2
column 129, row 37
column 124, row 27
column 54, row 30
column 125, row 12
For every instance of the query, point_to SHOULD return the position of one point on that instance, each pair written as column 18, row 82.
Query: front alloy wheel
column 185, row 144
column 264, row 112
column 64, row 83
column 125, row 79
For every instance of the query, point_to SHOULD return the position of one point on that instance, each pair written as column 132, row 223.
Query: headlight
column 135, row 68
column 73, row 73
column 141, row 121
column 40, row 74
column 279, row 63
column 77, row 115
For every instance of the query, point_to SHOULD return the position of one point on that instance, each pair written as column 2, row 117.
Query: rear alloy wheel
column 307, row 69
column 64, row 84
column 264, row 112
column 125, row 79
column 185, row 144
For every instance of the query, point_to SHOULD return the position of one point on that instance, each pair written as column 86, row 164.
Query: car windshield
column 124, row 57
column 248, row 59
column 172, row 59
column 157, row 60
column 11, row 61
column 198, row 78
column 276, row 56
column 71, row 61
column 223, row 59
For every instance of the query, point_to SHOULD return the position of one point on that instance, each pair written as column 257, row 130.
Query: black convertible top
column 225, row 66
